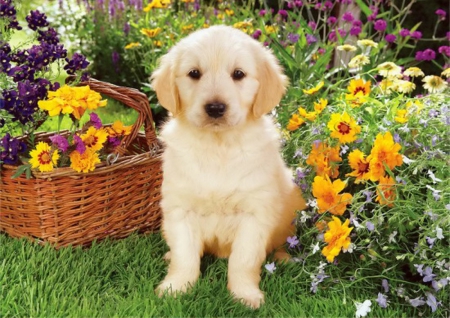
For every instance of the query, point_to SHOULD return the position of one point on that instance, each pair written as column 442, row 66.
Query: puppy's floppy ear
column 163, row 82
column 272, row 83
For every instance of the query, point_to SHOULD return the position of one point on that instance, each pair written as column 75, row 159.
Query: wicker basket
column 64, row 207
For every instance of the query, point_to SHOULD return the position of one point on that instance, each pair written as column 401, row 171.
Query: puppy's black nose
column 215, row 110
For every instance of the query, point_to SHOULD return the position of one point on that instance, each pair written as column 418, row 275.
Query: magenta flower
column 404, row 32
column 441, row 14
column 262, row 13
column 60, row 142
column 256, row 34
column 312, row 25
column 95, row 120
column 447, row 35
column 355, row 30
column 310, row 39
column 444, row 50
column 283, row 13
column 390, row 38
column 380, row 25
column 348, row 17
column 416, row 35
column 331, row 20
column 428, row 55
column 80, row 147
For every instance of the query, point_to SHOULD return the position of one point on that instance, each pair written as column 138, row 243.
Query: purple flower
column 404, row 32
column 312, row 25
column 80, row 147
column 438, row 285
column 380, row 25
column 60, row 142
column 370, row 226
column 10, row 148
column 126, row 28
column 293, row 241
column 310, row 39
column 78, row 62
column 262, row 13
column 382, row 300
column 390, row 38
column 441, row 14
column 293, row 38
column 283, row 13
column 416, row 35
column 374, row 14
column 114, row 141
column 95, row 120
column 348, row 17
column 419, row 268
column 428, row 274
column 385, row 285
column 416, row 302
column 36, row 20
column 355, row 30
column 430, row 241
column 432, row 302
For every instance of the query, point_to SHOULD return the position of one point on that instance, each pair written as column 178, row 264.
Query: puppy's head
column 219, row 77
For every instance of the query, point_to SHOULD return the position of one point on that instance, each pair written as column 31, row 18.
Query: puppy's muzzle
column 215, row 110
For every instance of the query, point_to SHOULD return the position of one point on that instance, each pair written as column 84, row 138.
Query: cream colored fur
column 226, row 189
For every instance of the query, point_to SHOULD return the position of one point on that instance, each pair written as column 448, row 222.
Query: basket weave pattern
column 64, row 207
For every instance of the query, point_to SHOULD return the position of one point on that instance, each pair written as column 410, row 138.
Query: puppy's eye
column 194, row 74
column 238, row 75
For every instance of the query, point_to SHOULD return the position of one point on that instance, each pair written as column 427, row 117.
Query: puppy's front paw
column 171, row 287
column 252, row 298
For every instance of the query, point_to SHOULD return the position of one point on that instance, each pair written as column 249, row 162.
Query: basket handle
column 135, row 99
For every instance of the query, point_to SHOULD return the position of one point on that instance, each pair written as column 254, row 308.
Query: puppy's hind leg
column 185, row 252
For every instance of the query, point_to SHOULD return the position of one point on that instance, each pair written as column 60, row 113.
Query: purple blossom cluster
column 10, row 148
column 24, row 68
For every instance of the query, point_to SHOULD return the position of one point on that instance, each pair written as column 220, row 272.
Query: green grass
column 117, row 279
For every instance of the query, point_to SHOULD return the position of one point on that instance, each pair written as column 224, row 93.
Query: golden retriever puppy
column 226, row 189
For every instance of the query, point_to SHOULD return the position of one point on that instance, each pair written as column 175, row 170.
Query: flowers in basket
column 31, row 94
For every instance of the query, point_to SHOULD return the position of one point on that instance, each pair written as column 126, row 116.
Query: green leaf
column 22, row 169
column 364, row 8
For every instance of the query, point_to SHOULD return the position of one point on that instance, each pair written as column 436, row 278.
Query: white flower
column 407, row 160
column 433, row 177
column 312, row 203
column 349, row 249
column 270, row 267
column 304, row 216
column 439, row 234
column 392, row 237
column 315, row 248
column 362, row 309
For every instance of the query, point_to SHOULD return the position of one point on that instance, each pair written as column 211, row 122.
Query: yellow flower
column 388, row 85
column 84, row 162
column 314, row 90
column 158, row 4
column 44, row 157
column 414, row 106
column 384, row 152
column 346, row 48
column 434, row 84
column 308, row 115
column 270, row 29
column 343, row 127
column 328, row 197
column 337, row 238
column 295, row 122
column 132, row 45
column 94, row 138
column 386, row 191
column 188, row 1
column 359, row 92
column 367, row 43
column 446, row 72
column 151, row 33
column 401, row 116
column 71, row 100
column 229, row 12
column 243, row 25
column 157, row 43
column 360, row 166
column 413, row 72
column 389, row 69
column 324, row 159
column 320, row 106
column 118, row 129
column 358, row 61
column 187, row 28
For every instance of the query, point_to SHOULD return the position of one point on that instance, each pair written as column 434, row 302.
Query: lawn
column 117, row 279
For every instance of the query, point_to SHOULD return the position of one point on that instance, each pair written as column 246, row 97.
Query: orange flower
column 324, row 159
column 295, row 122
column 360, row 166
column 384, row 152
column 337, row 238
column 386, row 191
column 328, row 197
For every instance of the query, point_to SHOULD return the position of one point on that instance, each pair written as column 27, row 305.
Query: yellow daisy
column 132, row 45
column 315, row 89
column 84, row 162
column 337, row 238
column 413, row 72
column 151, row 33
column 358, row 61
column 44, row 157
column 94, row 138
column 343, row 127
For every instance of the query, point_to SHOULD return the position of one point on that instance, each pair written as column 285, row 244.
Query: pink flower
column 416, row 35
column 380, row 25
column 348, row 17
column 390, row 38
column 441, row 14
column 404, row 32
